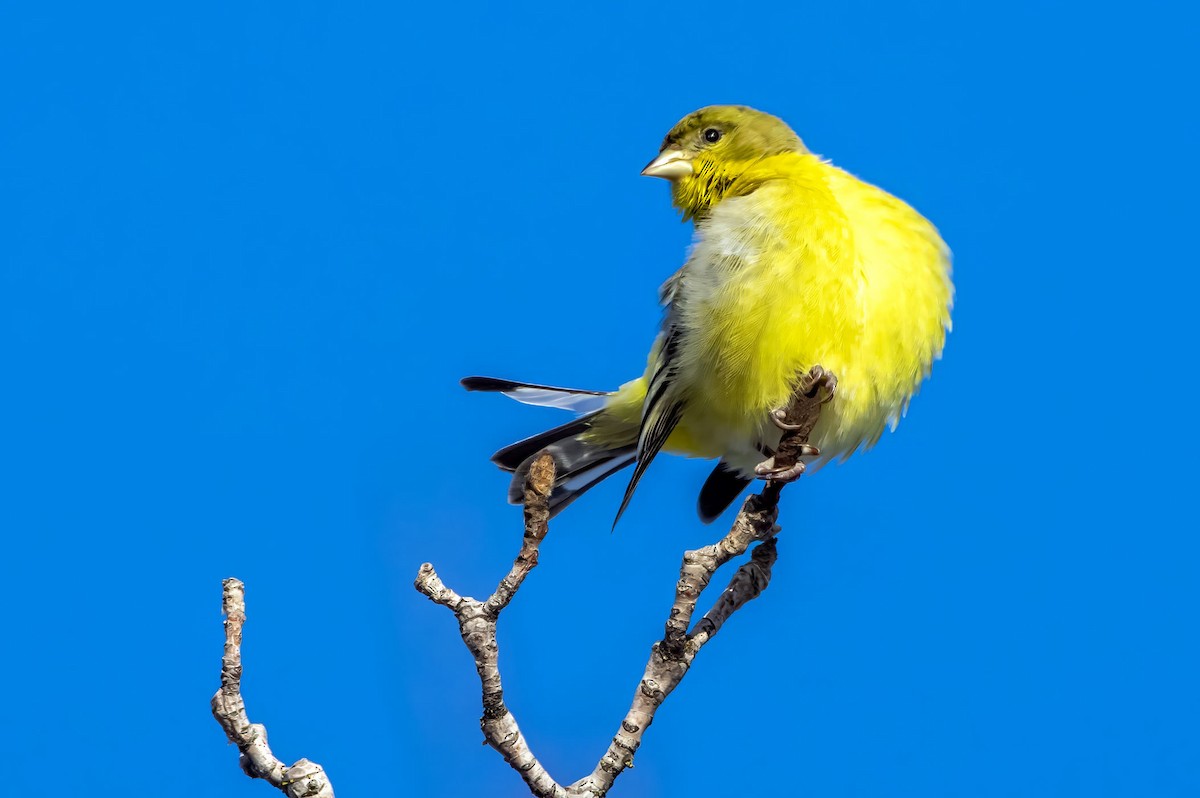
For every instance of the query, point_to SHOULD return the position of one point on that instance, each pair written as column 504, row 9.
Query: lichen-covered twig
column 304, row 779
column 670, row 657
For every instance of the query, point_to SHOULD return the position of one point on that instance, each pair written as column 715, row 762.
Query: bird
column 796, row 266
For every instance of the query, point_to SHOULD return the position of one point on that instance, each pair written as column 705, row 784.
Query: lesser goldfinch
column 795, row 263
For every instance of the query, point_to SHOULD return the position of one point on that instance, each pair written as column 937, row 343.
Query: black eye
column 712, row 135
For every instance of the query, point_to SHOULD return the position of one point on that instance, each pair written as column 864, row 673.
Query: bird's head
column 707, row 152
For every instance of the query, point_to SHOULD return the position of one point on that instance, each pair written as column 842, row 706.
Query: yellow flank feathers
column 795, row 263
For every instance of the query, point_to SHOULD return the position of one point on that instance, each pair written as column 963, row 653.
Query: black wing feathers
column 660, row 413
column 720, row 490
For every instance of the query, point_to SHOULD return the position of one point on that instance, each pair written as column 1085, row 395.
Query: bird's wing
column 720, row 490
column 668, row 290
column 663, row 406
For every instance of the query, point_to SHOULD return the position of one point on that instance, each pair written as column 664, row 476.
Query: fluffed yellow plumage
column 795, row 263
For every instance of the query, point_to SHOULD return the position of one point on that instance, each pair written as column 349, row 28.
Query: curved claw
column 819, row 377
column 786, row 474
column 777, row 418
column 767, row 469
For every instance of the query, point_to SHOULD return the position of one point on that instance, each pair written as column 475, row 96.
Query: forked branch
column 671, row 657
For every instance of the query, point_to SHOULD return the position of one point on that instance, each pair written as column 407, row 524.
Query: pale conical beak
column 670, row 165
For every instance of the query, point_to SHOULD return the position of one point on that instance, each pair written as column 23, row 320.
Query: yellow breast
column 814, row 267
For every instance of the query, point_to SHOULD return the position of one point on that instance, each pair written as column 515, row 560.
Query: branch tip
column 304, row 779
column 541, row 474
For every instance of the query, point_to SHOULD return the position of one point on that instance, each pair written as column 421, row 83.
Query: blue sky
column 247, row 252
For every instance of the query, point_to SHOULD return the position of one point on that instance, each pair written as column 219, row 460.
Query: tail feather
column 579, row 464
column 513, row 456
column 580, row 484
column 576, row 399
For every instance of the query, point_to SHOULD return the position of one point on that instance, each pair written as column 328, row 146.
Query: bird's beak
column 670, row 164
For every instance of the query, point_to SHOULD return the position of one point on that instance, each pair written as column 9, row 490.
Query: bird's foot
column 773, row 470
column 779, row 416
column 817, row 378
column 798, row 414
column 797, row 421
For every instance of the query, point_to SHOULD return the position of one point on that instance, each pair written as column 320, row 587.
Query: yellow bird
column 795, row 263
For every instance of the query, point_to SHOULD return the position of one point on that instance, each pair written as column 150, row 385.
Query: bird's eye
column 712, row 135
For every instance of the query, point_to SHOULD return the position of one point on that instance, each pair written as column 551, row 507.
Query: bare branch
column 304, row 779
column 477, row 626
column 671, row 657
column 538, row 485
column 748, row 582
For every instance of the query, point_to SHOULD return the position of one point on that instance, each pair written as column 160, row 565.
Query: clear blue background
column 249, row 250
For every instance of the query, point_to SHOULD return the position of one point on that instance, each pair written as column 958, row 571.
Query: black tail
column 513, row 456
column 579, row 463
